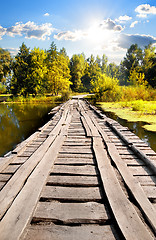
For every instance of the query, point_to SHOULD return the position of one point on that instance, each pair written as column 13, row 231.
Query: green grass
column 134, row 111
column 31, row 99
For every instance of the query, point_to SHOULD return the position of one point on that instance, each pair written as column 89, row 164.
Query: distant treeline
column 40, row 71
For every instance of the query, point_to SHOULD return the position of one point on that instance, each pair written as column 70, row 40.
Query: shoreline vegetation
column 134, row 111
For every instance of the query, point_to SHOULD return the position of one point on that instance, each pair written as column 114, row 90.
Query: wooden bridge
column 81, row 176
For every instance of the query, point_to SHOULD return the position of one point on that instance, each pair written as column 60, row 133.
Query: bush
column 2, row 89
column 106, row 88
column 65, row 95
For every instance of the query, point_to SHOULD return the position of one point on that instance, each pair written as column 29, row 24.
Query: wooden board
column 91, row 232
column 150, row 191
column 139, row 170
column 70, row 213
column 74, row 155
column 71, row 193
column 73, row 181
column 75, row 161
column 75, row 170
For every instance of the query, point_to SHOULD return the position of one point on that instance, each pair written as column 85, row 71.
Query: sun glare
column 97, row 34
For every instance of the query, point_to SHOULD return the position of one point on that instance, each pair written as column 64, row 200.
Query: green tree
column 106, row 88
column 36, row 79
column 5, row 64
column 113, row 70
column 94, row 69
column 104, row 63
column 149, row 64
column 77, row 68
column 52, row 53
column 58, row 75
column 20, row 69
column 133, row 60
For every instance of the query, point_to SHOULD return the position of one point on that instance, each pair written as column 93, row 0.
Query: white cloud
column 98, row 30
column 133, row 24
column 13, row 51
column 69, row 35
column 126, row 40
column 31, row 30
column 111, row 25
column 46, row 15
column 2, row 32
column 145, row 9
column 123, row 19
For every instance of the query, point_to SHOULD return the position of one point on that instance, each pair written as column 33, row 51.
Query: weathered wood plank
column 73, row 181
column 5, row 177
column 69, row 213
column 87, row 232
column 76, row 170
column 75, row 161
column 71, row 193
column 146, row 180
column 75, row 151
column 74, row 155
column 11, row 169
column 150, row 191
column 139, row 170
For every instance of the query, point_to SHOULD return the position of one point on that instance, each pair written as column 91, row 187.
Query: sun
column 97, row 34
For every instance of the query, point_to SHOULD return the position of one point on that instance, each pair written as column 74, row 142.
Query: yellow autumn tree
column 58, row 74
column 106, row 88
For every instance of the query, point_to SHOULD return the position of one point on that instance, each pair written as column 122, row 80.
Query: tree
column 104, row 64
column 133, row 60
column 52, row 53
column 20, row 69
column 36, row 80
column 58, row 75
column 149, row 64
column 5, row 64
column 113, row 70
column 105, row 88
column 77, row 68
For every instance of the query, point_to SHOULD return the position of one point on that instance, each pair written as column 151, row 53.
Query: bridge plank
column 73, row 181
column 89, row 232
column 69, row 213
column 81, row 170
column 71, row 193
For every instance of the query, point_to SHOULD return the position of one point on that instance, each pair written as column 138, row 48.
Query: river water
column 137, row 128
column 19, row 121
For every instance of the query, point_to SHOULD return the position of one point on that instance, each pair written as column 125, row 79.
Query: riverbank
column 134, row 111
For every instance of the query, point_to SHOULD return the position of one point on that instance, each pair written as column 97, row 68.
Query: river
column 19, row 121
column 137, row 128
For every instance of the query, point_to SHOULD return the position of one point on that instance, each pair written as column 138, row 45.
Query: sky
column 90, row 26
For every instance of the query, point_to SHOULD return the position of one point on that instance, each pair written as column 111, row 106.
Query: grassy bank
column 30, row 99
column 134, row 111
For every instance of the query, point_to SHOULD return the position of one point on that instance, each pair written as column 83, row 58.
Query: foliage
column 141, row 63
column 20, row 67
column 2, row 88
column 77, row 69
column 5, row 64
column 106, row 88
column 134, row 111
column 58, row 75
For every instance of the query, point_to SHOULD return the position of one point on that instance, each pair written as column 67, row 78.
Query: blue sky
column 89, row 26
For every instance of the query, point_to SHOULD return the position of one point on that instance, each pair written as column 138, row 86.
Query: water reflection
column 18, row 121
column 137, row 128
